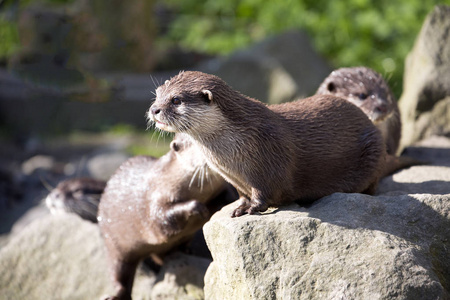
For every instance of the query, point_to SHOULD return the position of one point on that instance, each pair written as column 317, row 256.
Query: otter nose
column 155, row 110
column 381, row 108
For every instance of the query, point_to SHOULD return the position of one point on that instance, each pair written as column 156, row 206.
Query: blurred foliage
column 9, row 38
column 348, row 33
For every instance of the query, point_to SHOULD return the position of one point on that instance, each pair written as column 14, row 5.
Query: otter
column 80, row 196
column 367, row 89
column 273, row 155
column 150, row 206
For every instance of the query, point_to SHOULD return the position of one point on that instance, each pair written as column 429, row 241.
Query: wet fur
column 298, row 151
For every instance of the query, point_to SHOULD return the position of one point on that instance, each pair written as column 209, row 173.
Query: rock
column 103, row 165
column 54, row 258
column 63, row 257
column 275, row 70
column 430, row 178
column 435, row 150
column 181, row 277
column 344, row 246
column 434, row 122
column 427, row 74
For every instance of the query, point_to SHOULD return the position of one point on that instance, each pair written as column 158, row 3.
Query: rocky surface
column 344, row 246
column 63, row 257
column 426, row 83
column 393, row 245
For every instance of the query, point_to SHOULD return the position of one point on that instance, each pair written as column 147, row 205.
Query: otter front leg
column 185, row 217
column 251, row 206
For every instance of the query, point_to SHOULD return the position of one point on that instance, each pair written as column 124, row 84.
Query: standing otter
column 298, row 151
column 150, row 206
column 369, row 91
column 80, row 196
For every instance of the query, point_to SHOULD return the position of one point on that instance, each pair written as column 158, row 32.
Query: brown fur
column 80, row 196
column 298, row 151
column 368, row 90
column 152, row 205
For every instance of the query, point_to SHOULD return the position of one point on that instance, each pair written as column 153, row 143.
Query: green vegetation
column 9, row 38
column 348, row 33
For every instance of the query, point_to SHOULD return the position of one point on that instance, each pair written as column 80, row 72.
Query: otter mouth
column 160, row 123
column 377, row 118
column 163, row 126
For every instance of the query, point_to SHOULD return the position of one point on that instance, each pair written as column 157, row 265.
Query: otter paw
column 198, row 209
column 249, row 207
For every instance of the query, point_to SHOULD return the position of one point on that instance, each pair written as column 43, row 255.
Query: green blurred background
column 376, row 34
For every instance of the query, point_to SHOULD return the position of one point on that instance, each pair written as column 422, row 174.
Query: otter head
column 363, row 87
column 186, row 103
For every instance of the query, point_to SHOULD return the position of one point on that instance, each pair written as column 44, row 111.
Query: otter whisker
column 202, row 177
column 45, row 183
column 193, row 176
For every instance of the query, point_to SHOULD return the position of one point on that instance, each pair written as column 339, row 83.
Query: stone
column 54, row 258
column 427, row 72
column 343, row 246
column 63, row 257
column 181, row 277
column 278, row 69
column 104, row 164
column 434, row 122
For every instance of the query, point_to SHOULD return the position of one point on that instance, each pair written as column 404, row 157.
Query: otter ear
column 208, row 95
column 331, row 87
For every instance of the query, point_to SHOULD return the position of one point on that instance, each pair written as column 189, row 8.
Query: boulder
column 54, row 258
column 436, row 121
column 427, row 79
column 278, row 69
column 181, row 277
column 63, row 257
column 344, row 246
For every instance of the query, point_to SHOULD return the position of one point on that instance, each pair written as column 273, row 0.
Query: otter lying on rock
column 273, row 155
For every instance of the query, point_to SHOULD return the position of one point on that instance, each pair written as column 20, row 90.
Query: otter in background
column 368, row 90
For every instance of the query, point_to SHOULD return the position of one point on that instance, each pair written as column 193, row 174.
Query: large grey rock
column 63, row 257
column 181, row 277
column 54, row 258
column 345, row 246
column 436, row 121
column 427, row 74
column 275, row 70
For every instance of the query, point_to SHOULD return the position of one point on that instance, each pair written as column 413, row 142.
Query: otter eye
column 331, row 87
column 175, row 147
column 362, row 96
column 176, row 101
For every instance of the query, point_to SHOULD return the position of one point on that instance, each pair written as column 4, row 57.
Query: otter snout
column 155, row 110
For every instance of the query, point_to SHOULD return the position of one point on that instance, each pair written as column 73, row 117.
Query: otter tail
column 395, row 163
